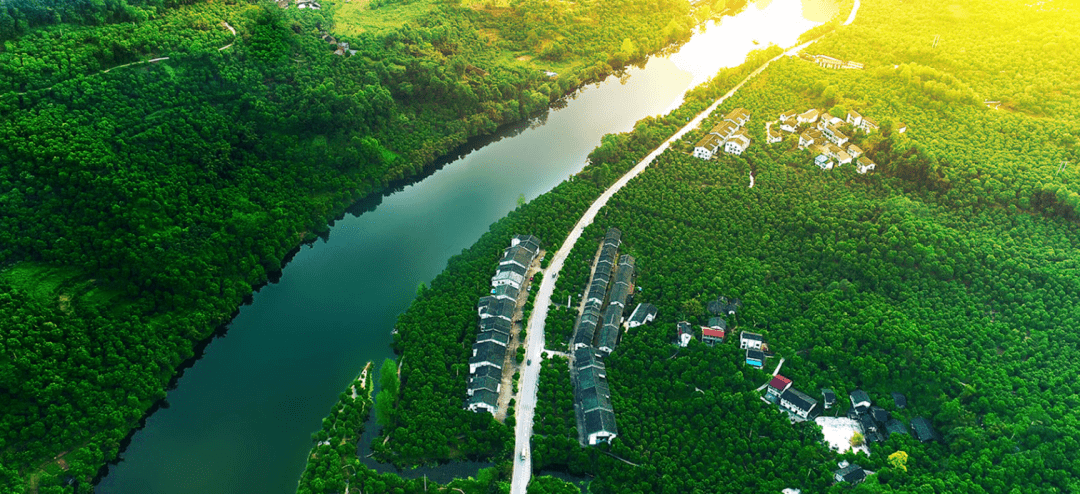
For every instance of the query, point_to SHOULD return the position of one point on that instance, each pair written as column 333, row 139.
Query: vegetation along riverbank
column 142, row 202
column 945, row 274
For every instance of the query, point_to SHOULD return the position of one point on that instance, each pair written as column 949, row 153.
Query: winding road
column 530, row 378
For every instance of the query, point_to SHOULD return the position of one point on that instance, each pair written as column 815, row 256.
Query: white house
column 707, row 147
column 724, row 129
column 901, row 128
column 868, row 125
column 738, row 116
column 790, row 124
column 842, row 158
column 854, row 118
column 863, row 165
column 774, row 136
column 860, row 400
column 854, row 151
column 507, row 277
column 737, row 143
column 684, row 333
column 750, row 340
column 835, row 135
column 810, row 116
column 787, row 115
column 643, row 314
column 809, row 137
column 823, row 162
column 828, row 62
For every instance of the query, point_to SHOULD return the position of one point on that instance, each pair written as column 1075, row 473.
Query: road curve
column 851, row 16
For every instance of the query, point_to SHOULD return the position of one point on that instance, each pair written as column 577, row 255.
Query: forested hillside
column 159, row 160
column 948, row 274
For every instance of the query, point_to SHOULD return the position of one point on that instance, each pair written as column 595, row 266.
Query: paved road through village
column 530, row 378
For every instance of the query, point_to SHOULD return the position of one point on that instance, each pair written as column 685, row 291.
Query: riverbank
column 336, row 299
column 166, row 264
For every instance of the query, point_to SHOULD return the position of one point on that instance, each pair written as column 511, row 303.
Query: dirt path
column 774, row 373
column 159, row 59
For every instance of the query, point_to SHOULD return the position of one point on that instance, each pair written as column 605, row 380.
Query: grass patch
column 355, row 17
column 56, row 286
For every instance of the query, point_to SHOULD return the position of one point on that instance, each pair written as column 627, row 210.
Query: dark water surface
column 240, row 420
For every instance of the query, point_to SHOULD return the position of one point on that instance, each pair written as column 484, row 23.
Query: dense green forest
column 161, row 159
column 948, row 274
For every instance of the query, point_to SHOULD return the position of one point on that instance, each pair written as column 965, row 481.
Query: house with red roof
column 778, row 385
column 712, row 336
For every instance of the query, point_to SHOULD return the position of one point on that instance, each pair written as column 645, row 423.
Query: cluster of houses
column 876, row 423
column 824, row 135
column 835, row 63
column 340, row 47
column 496, row 320
column 716, row 331
column 729, row 135
column 600, row 322
column 605, row 301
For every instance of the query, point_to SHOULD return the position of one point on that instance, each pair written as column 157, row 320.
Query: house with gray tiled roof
column 643, row 314
column 483, row 400
column 487, row 354
column 852, row 474
column 828, row 398
column 488, row 378
column 493, row 336
column 496, row 324
column 755, row 358
column 924, row 430
column 501, row 308
column 860, row 400
column 798, row 403
column 609, row 331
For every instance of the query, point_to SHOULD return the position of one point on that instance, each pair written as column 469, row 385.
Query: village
column 600, row 324
column 825, row 136
column 863, row 424
column 491, row 364
column 598, row 328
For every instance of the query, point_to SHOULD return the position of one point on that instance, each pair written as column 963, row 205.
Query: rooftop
column 799, row 399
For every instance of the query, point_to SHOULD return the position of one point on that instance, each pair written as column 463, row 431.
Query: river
column 240, row 419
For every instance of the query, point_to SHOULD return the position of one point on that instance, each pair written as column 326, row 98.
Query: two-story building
column 712, row 336
column 863, row 165
column 755, row 358
column 683, row 334
column 750, row 340
column 737, row 143
column 809, row 116
column 778, row 385
column 798, row 403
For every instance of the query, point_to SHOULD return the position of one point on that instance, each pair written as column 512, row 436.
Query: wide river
column 240, row 420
